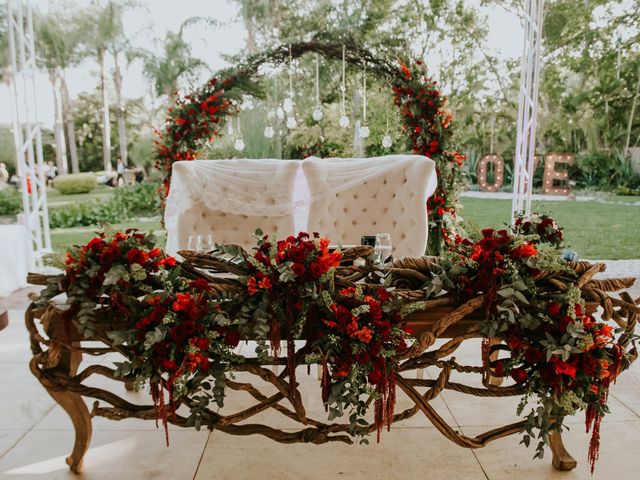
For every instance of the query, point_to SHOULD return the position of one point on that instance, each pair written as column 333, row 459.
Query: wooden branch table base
column 58, row 352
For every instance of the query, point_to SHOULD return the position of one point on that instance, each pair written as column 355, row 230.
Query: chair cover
column 352, row 197
column 229, row 199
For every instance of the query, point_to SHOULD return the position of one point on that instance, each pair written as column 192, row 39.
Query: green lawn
column 63, row 238
column 595, row 230
column 55, row 198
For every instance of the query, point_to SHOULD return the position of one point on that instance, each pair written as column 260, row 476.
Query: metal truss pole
column 527, row 108
column 27, row 134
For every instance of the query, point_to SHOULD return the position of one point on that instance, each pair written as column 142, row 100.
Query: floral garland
column 557, row 351
column 197, row 118
column 430, row 127
column 358, row 342
column 179, row 334
column 284, row 281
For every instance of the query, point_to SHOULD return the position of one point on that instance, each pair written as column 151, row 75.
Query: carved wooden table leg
column 72, row 402
column 561, row 460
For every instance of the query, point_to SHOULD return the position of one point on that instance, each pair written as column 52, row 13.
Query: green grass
column 55, row 198
column 63, row 238
column 595, row 230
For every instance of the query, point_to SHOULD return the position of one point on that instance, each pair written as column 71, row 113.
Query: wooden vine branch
column 57, row 355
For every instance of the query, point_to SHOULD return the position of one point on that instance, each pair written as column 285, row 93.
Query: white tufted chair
column 392, row 201
column 264, row 182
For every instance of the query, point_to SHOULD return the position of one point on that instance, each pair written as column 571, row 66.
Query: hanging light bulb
column 386, row 140
column 280, row 113
column 344, row 120
column 287, row 105
column 317, row 113
column 291, row 123
column 271, row 114
column 364, row 129
column 247, row 103
column 269, row 132
column 239, row 143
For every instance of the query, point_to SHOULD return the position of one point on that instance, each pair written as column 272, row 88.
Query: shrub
column 75, row 183
column 140, row 199
column 84, row 214
column 10, row 201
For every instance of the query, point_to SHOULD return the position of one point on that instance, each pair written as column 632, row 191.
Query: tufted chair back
column 200, row 196
column 389, row 199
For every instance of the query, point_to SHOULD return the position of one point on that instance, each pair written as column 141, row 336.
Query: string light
column 344, row 120
column 364, row 129
column 317, row 113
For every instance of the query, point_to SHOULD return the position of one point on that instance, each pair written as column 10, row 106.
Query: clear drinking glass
column 200, row 243
column 383, row 247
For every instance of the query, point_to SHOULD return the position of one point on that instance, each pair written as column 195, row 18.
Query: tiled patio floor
column 36, row 436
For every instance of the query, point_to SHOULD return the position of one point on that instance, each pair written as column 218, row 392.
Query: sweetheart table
column 59, row 350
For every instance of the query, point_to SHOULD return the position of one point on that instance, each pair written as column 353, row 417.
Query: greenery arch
column 195, row 119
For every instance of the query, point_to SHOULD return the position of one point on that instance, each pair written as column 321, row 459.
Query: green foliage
column 75, row 183
column 140, row 199
column 87, row 213
column 127, row 202
column 10, row 201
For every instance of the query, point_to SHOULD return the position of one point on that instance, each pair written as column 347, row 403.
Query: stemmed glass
column 200, row 243
column 383, row 247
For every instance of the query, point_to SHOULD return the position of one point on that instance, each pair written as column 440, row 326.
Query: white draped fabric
column 15, row 258
column 231, row 198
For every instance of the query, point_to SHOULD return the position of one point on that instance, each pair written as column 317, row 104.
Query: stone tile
column 23, row 401
column 401, row 454
column 505, row 459
column 8, row 438
column 14, row 343
column 125, row 455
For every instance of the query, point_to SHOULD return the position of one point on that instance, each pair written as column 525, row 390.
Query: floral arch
column 198, row 117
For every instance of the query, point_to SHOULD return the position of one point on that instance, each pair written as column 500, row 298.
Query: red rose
column 565, row 321
column 156, row 252
column 110, row 255
column 136, row 255
column 553, row 309
column 317, row 269
column 519, row 375
column 524, row 251
column 298, row 269
column 383, row 294
column 182, row 302
column 564, row 368
column 200, row 284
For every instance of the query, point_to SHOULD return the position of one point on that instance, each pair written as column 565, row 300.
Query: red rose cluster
column 591, row 362
column 370, row 337
column 303, row 259
column 541, row 225
column 489, row 256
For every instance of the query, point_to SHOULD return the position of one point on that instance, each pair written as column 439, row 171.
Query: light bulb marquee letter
column 498, row 173
column 561, row 176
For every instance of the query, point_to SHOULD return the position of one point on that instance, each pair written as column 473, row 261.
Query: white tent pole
column 527, row 108
column 26, row 127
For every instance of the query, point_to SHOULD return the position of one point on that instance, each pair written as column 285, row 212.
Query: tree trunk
column 249, row 25
column 122, row 129
column 67, row 110
column 58, row 128
column 106, row 125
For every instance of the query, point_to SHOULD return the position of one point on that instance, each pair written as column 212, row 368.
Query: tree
column 176, row 61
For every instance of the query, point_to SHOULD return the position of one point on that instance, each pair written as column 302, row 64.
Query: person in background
column 51, row 172
column 4, row 175
column 120, row 172
column 140, row 174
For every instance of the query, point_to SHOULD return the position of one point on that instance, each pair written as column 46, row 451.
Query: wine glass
column 200, row 243
column 383, row 247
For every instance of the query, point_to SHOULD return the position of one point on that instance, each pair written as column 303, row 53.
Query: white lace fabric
column 231, row 198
